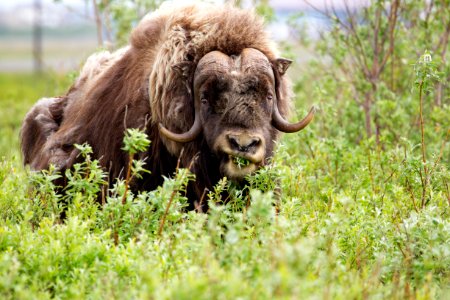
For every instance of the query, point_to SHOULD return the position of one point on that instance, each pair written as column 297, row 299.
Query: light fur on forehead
column 192, row 31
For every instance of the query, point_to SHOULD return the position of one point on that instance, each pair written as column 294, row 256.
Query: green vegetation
column 355, row 206
column 240, row 161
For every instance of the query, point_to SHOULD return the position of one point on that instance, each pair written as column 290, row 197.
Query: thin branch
column 394, row 171
column 413, row 198
column 443, row 41
column 127, row 178
column 392, row 24
column 371, row 172
column 387, row 13
column 441, row 152
column 448, row 192
column 310, row 149
column 172, row 196
column 376, row 46
column 98, row 23
column 163, row 220
column 428, row 10
column 351, row 18
column 199, row 205
column 352, row 81
column 422, row 131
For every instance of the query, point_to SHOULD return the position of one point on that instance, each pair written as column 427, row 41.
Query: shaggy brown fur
column 140, row 86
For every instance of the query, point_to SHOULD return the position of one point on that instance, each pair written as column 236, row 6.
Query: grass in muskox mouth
column 240, row 162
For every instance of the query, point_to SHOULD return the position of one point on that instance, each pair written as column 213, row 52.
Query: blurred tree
column 37, row 36
column 116, row 18
column 372, row 50
column 98, row 23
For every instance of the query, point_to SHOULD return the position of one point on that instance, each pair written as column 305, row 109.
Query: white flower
column 427, row 57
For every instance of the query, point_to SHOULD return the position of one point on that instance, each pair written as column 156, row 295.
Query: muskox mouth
column 240, row 162
column 237, row 167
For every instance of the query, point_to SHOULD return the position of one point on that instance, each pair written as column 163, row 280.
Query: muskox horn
column 184, row 70
column 278, row 121
column 186, row 136
column 282, row 125
column 210, row 64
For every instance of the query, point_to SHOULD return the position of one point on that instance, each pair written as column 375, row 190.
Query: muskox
column 205, row 83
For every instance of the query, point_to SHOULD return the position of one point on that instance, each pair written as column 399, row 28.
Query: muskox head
column 236, row 101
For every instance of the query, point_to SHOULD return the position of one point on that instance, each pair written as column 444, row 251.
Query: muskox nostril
column 243, row 143
column 254, row 143
column 234, row 143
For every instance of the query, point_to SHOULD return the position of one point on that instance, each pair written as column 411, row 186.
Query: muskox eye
column 67, row 147
column 204, row 101
column 270, row 97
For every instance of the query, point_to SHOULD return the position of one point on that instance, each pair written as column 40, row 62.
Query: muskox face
column 236, row 108
column 236, row 95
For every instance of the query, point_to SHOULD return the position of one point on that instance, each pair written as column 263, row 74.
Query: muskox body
column 204, row 84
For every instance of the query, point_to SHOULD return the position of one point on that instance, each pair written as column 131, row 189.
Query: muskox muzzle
column 242, row 152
